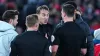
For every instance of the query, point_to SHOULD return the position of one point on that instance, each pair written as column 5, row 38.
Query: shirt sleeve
column 56, row 38
column 84, row 43
column 47, row 50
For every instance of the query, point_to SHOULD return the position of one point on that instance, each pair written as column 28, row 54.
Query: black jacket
column 85, row 27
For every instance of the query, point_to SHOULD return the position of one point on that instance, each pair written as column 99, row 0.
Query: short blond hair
column 31, row 20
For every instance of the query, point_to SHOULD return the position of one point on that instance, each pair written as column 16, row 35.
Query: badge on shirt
column 52, row 38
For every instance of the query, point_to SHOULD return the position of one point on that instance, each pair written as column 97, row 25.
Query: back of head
column 9, row 14
column 68, row 9
column 77, row 11
column 31, row 20
column 71, row 3
column 41, row 8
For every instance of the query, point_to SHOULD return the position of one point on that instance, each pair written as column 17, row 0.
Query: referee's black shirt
column 70, row 38
column 30, row 43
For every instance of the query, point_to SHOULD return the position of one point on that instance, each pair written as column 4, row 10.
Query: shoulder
column 21, row 35
column 58, row 26
column 80, row 21
column 84, row 26
column 8, row 36
column 58, row 30
column 10, row 33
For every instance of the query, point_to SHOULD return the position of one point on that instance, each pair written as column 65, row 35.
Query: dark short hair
column 68, row 9
column 72, row 3
column 31, row 20
column 9, row 14
column 42, row 7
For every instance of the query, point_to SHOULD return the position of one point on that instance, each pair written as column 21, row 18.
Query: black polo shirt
column 70, row 38
column 30, row 43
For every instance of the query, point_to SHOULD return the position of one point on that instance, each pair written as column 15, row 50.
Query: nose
column 46, row 17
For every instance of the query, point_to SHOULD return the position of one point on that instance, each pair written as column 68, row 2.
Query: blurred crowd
column 90, row 10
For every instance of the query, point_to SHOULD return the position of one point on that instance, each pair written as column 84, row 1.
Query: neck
column 12, row 25
column 32, row 29
column 40, row 23
column 68, row 19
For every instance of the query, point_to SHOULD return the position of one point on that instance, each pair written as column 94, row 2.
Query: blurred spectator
column 11, row 6
column 95, row 25
column 2, row 1
column 2, row 10
column 97, row 50
column 97, row 36
column 88, row 13
column 20, row 4
column 97, row 4
column 27, row 10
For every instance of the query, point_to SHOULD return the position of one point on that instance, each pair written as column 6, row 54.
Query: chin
column 45, row 23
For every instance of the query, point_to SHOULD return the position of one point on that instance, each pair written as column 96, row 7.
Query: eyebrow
column 44, row 13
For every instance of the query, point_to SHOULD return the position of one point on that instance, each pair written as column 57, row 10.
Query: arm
column 84, row 51
column 7, row 38
column 86, row 29
column 90, row 44
column 56, row 42
column 84, row 45
column 47, row 50
column 54, row 50
column 55, row 46
column 13, row 49
column 58, row 26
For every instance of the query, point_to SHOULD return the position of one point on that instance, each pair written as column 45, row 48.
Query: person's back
column 71, row 39
column 7, row 34
column 7, row 31
column 30, row 43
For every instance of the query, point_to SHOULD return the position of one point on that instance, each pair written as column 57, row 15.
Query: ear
column 64, row 14
column 10, row 21
column 75, row 11
column 37, row 24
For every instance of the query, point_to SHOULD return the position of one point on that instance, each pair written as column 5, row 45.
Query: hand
column 78, row 12
column 46, row 36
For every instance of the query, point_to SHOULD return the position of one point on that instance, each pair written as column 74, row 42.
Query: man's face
column 15, row 20
column 43, row 16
